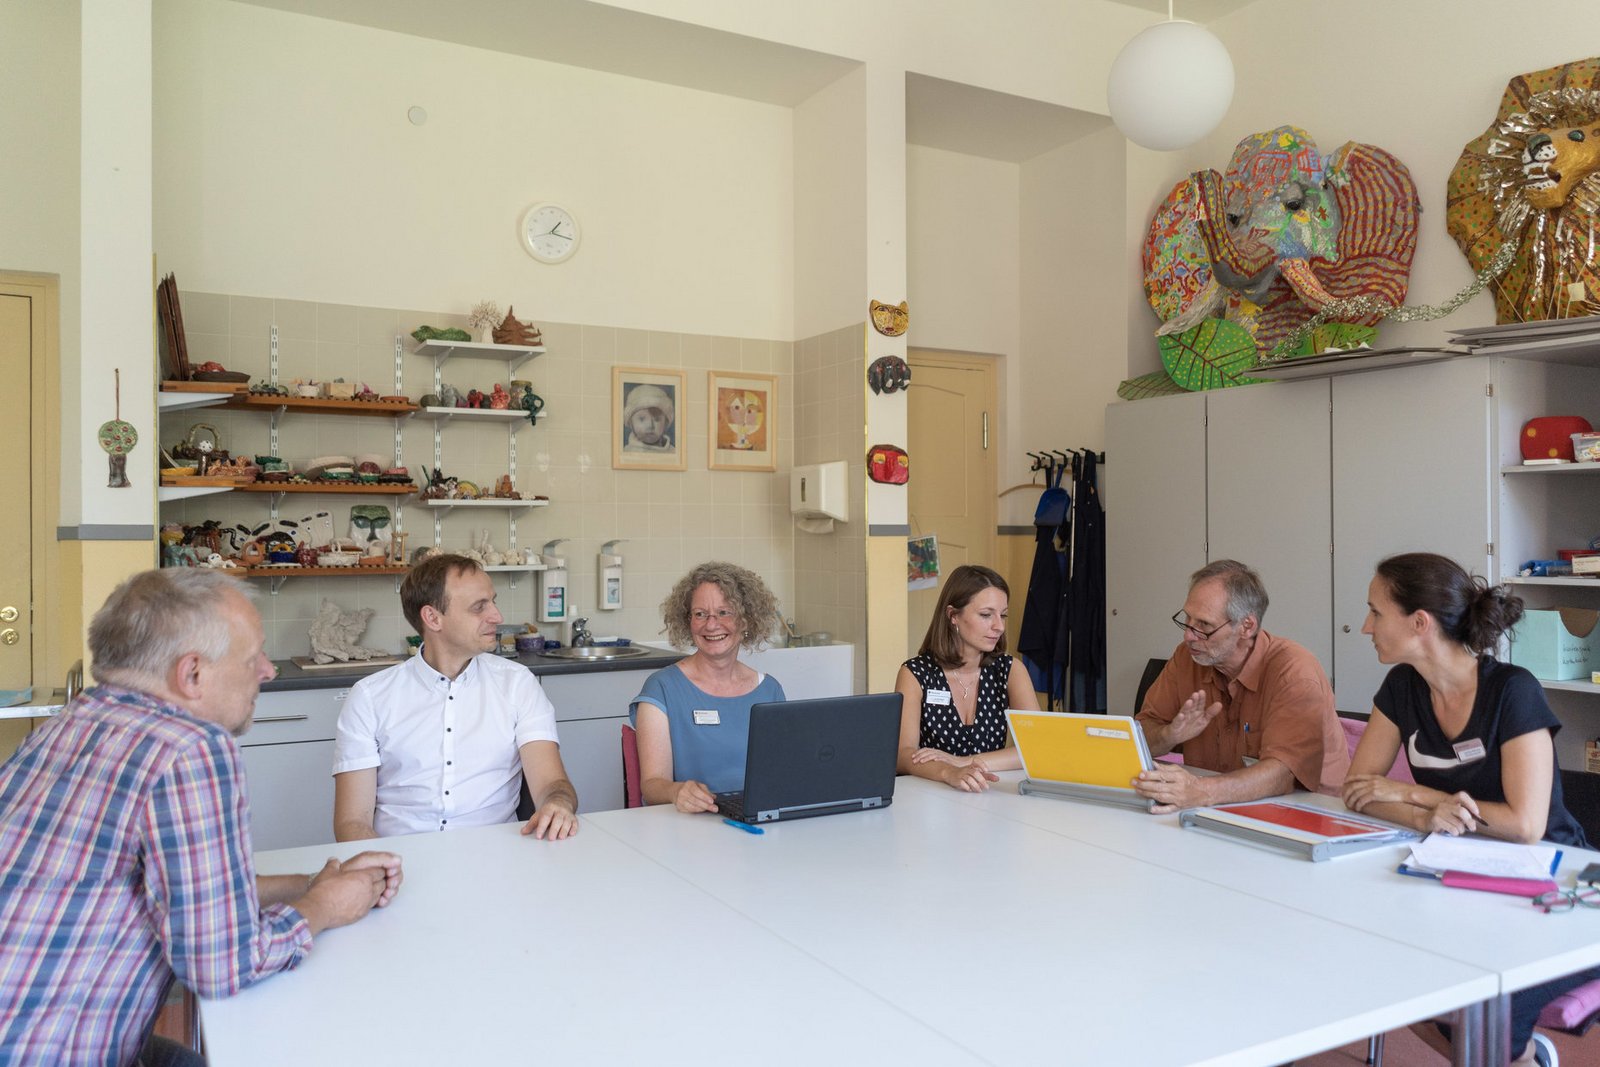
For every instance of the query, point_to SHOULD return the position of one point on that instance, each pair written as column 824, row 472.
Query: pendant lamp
column 1170, row 85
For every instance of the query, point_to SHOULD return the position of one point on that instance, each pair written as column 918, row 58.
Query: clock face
column 549, row 233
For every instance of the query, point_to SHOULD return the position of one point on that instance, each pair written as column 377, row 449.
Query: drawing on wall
column 744, row 427
column 647, row 419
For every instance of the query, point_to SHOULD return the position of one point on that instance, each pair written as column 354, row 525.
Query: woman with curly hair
column 693, row 718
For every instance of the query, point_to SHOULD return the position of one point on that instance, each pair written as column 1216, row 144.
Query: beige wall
column 286, row 167
column 830, row 568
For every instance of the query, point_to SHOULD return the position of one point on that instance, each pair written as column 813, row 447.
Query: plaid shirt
column 125, row 861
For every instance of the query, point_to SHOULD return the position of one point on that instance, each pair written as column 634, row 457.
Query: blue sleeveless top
column 713, row 754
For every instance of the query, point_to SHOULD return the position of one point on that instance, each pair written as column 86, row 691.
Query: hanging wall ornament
column 888, row 465
column 889, row 320
column 117, row 439
column 1529, row 185
column 888, row 374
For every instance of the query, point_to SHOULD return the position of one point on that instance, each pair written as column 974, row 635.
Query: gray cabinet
column 288, row 759
column 590, row 712
column 1155, row 497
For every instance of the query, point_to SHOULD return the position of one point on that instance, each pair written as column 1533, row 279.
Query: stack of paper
column 1493, row 866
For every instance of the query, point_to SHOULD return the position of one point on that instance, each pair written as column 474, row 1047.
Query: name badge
column 1468, row 751
column 939, row 697
column 707, row 718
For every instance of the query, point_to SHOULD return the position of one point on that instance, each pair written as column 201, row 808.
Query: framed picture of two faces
column 647, row 419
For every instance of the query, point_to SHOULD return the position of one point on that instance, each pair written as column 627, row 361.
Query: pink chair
column 1353, row 729
column 630, row 767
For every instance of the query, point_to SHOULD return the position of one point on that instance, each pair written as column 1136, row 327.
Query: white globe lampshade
column 1170, row 86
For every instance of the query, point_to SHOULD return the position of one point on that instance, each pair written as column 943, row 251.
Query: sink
column 597, row 653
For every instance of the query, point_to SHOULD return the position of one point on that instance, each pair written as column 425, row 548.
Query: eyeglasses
column 1564, row 899
column 721, row 616
column 1183, row 624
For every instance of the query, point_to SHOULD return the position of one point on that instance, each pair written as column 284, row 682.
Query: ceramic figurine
column 474, row 398
column 449, row 396
column 371, row 526
column 531, row 402
column 499, row 400
column 334, row 633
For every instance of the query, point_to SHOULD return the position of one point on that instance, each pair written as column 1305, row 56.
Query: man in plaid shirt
column 125, row 857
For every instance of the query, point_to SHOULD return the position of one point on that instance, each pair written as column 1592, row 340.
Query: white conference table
column 944, row 929
column 1499, row 933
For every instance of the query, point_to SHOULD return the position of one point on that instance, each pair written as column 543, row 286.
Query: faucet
column 581, row 637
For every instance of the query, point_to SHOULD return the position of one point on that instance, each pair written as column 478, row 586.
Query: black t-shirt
column 1510, row 703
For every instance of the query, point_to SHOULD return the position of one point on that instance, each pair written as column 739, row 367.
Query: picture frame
column 743, row 421
column 647, row 410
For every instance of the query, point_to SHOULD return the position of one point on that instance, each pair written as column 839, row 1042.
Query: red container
column 1550, row 436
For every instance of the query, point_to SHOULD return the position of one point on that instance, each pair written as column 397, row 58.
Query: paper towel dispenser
column 817, row 495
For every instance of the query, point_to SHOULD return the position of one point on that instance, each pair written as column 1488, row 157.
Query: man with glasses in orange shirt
column 1235, row 699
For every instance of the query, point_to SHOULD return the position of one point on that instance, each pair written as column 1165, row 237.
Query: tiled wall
column 830, row 424
column 669, row 520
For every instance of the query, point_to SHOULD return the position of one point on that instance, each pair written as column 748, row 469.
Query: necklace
column 966, row 689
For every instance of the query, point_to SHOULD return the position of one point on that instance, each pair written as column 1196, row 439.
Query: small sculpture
column 482, row 319
column 487, row 552
column 504, row 489
column 531, row 402
column 370, row 528
column 499, row 399
column 474, row 398
column 433, row 333
column 513, row 332
column 449, row 396
column 334, row 633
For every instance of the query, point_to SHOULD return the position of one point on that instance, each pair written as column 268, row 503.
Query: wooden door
column 1154, row 490
column 16, row 518
column 950, row 434
column 1269, row 503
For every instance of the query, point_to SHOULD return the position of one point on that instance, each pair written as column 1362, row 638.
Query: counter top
column 291, row 677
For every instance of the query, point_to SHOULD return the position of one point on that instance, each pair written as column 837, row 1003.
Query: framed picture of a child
column 647, row 408
column 744, row 425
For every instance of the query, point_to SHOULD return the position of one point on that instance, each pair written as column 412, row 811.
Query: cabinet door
column 1411, row 473
column 291, row 793
column 1155, row 497
column 591, row 750
column 1269, row 503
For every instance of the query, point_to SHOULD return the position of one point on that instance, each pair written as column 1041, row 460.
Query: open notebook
column 1081, row 757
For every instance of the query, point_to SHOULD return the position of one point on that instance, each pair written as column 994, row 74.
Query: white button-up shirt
column 446, row 750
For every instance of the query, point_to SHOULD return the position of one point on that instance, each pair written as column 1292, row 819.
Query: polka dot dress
column 942, row 727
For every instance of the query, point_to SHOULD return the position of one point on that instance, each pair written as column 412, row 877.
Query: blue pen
column 746, row 827
column 1554, row 863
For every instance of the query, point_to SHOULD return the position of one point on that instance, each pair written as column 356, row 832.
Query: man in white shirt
column 443, row 741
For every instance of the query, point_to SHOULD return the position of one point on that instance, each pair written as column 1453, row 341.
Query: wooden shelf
column 331, row 488
column 317, row 572
column 1517, row 579
column 320, row 405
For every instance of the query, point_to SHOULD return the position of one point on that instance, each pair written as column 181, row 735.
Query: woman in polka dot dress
column 957, row 689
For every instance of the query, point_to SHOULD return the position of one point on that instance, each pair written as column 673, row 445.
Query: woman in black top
column 1477, row 733
column 959, row 685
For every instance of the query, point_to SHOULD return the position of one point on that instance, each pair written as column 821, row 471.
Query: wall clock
column 549, row 233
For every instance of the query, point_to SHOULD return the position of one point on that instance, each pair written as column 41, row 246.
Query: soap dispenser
column 553, row 584
column 610, row 572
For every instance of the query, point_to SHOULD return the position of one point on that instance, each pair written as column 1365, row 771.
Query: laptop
column 1081, row 757
column 817, row 757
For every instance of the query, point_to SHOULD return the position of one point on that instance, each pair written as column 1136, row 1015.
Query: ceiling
column 939, row 114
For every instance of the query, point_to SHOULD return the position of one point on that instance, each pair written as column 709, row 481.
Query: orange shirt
column 1279, row 707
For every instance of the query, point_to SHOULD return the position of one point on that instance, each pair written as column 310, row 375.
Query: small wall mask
column 889, row 320
column 888, row 374
column 888, row 465
column 371, row 528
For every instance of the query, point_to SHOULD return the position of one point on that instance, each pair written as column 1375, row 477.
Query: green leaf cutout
column 1212, row 355
column 1156, row 383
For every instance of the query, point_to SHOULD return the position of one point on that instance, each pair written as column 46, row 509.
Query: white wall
column 830, row 207
column 39, row 229
column 286, row 167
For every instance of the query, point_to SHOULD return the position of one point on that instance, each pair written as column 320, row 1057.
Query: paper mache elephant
column 1277, row 237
